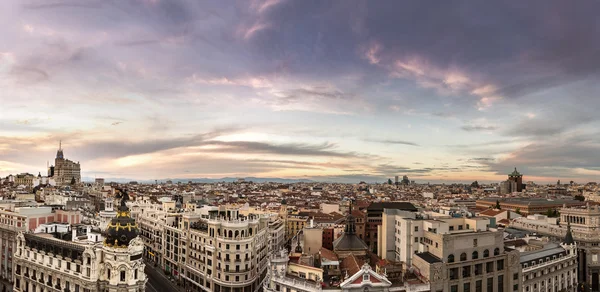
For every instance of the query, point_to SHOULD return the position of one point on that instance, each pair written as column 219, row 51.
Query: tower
column 517, row 178
column 568, row 242
column 123, row 269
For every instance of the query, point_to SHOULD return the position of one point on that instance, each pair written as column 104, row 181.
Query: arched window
column 475, row 255
column 496, row 251
column 230, row 234
column 451, row 258
column 237, row 233
column 463, row 257
column 486, row 253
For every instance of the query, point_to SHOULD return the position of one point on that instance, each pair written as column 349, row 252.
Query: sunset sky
column 326, row 90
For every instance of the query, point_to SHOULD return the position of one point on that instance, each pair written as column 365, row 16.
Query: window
column 460, row 227
column 516, row 276
column 122, row 276
column 475, row 255
column 451, row 258
column 453, row 273
column 489, row 267
column 500, row 265
column 500, row 283
column 108, row 273
column 486, row 253
column 366, row 277
column 478, row 269
column 454, row 288
column 416, row 239
column 135, row 274
column 467, row 287
column 451, row 228
column 478, row 286
column 490, row 285
column 496, row 251
column 463, row 257
column 466, row 272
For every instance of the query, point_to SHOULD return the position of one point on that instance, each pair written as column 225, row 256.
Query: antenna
column 59, row 144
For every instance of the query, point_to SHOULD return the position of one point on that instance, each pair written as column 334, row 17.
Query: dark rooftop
column 429, row 257
column 379, row 206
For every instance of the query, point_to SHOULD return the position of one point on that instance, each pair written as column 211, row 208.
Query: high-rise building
column 65, row 171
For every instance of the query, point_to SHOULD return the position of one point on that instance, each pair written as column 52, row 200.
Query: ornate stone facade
column 65, row 170
column 45, row 263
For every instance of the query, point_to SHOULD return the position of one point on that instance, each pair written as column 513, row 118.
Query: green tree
column 580, row 198
column 475, row 184
column 498, row 205
column 389, row 181
column 518, row 211
column 73, row 180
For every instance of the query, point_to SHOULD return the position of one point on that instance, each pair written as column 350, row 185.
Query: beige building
column 65, row 170
column 313, row 240
column 451, row 254
column 294, row 224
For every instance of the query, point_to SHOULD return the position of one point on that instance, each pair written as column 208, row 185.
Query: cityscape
column 299, row 146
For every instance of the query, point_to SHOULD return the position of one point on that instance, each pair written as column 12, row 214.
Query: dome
column 122, row 229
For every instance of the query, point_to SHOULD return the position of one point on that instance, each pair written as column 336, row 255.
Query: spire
column 569, row 237
column 60, row 145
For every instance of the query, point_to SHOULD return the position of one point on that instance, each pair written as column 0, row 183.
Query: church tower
column 569, row 243
column 123, row 268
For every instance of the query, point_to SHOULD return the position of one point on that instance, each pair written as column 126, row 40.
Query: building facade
column 552, row 268
column 585, row 226
column 47, row 262
column 65, row 171
column 451, row 254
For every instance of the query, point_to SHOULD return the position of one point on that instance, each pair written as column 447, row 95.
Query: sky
column 344, row 91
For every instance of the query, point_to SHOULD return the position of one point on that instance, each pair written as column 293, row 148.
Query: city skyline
column 438, row 91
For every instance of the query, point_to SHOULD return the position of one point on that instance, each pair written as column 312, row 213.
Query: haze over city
column 320, row 90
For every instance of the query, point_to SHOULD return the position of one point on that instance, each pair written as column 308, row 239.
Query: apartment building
column 211, row 248
column 552, row 268
column 452, row 254
column 584, row 223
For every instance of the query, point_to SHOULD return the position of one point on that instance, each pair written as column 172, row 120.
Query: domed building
column 82, row 261
column 122, row 229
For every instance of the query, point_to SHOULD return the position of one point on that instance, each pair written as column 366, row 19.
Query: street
column 157, row 281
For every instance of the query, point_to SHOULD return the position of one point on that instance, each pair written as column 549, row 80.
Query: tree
column 498, row 205
column 475, row 184
column 552, row 213
column 389, row 181
column 73, row 180
column 518, row 211
column 579, row 198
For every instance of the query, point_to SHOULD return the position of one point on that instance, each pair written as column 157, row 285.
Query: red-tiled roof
column 491, row 212
column 327, row 254
column 351, row 264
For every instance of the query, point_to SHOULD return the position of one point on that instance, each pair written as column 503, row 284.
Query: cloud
column 472, row 128
column 397, row 142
